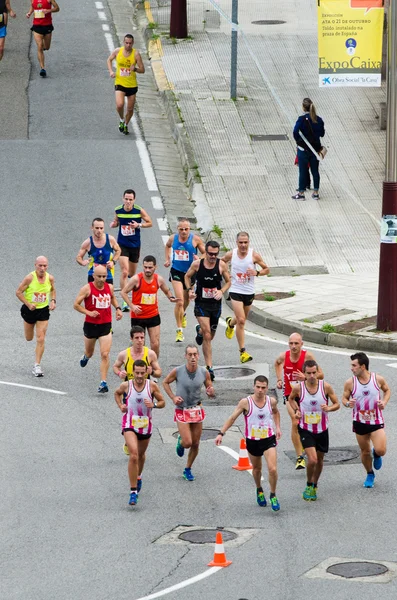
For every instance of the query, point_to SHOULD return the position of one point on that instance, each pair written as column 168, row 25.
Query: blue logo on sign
column 326, row 80
column 351, row 43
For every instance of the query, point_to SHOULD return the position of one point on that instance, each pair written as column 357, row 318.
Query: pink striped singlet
column 312, row 417
column 366, row 409
column 138, row 417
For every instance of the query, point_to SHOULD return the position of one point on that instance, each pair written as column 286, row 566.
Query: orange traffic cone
column 219, row 554
column 243, row 460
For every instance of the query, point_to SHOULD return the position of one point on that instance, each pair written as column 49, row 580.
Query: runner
column 189, row 414
column 242, row 291
column 309, row 402
column 98, row 297
column 136, row 398
column 42, row 27
column 128, row 64
column 262, row 431
column 5, row 10
column 38, row 296
column 208, row 272
column 362, row 394
column 102, row 250
column 144, row 306
column 183, row 246
column 288, row 367
column 130, row 218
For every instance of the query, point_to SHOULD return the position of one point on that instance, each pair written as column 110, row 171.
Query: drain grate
column 206, row 536
column 349, row 570
column 268, row 22
column 269, row 138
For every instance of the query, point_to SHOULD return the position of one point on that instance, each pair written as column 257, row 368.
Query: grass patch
column 328, row 328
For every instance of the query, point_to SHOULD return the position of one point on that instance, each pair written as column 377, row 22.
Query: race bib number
column 38, row 298
column 209, row 292
column 102, row 301
column 139, row 422
column 243, row 278
column 181, row 255
column 127, row 230
column 259, row 432
column 148, row 299
column 367, row 415
column 38, row 14
column 125, row 72
column 312, row 418
column 193, row 414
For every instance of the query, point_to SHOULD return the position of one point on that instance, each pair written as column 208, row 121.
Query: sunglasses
column 213, row 254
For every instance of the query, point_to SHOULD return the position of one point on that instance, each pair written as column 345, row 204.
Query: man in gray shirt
column 189, row 414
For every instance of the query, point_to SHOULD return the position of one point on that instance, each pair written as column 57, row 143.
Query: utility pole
column 387, row 293
column 178, row 22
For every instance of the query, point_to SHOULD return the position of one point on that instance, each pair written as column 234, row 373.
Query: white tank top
column 312, row 417
column 241, row 282
column 366, row 409
column 139, row 416
column 259, row 422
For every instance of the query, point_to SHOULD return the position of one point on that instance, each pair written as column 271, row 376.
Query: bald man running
column 38, row 296
column 289, row 370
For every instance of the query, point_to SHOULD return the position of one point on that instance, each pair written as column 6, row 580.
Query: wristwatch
column 154, row 403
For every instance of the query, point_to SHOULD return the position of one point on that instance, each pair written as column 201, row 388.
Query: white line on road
column 145, row 160
column 98, row 5
column 394, row 365
column 157, row 203
column 183, row 584
column 101, row 15
column 105, row 27
column 165, row 239
column 162, row 223
column 33, row 387
column 235, row 455
column 109, row 41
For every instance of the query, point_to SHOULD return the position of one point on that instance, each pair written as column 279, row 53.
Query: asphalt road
column 67, row 531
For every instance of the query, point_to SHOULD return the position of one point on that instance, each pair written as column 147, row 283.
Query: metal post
column 233, row 68
column 178, row 21
column 387, row 294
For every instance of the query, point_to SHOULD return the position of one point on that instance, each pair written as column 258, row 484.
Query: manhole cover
column 268, row 22
column 206, row 434
column 357, row 569
column 340, row 455
column 233, row 372
column 269, row 138
column 206, row 536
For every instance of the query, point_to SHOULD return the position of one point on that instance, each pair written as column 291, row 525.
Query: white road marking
column 98, row 5
column 235, row 455
column 394, row 365
column 101, row 15
column 165, row 239
column 162, row 224
column 105, row 27
column 183, row 584
column 157, row 203
column 109, row 41
column 33, row 387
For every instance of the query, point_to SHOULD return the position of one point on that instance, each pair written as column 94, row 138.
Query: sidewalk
column 247, row 184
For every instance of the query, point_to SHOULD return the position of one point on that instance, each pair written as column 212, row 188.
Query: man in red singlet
column 98, row 298
column 144, row 306
column 42, row 27
column 289, row 370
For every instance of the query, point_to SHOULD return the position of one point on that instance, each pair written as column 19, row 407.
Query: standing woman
column 42, row 27
column 312, row 128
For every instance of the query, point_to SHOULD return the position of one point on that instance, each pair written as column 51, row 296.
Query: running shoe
column 211, row 372
column 300, row 463
column 199, row 336
column 314, row 494
column 260, row 498
column 126, row 451
column 229, row 331
column 315, row 196
column 307, row 494
column 180, row 450
column 369, row 481
column 184, row 321
column 43, row 73
column 274, row 503
column 133, row 499
column 121, row 126
column 126, row 132
column 37, row 372
column 103, row 387
column 83, row 361
column 377, row 461
column 179, row 335
column 125, row 307
column 139, row 484
column 188, row 475
column 298, row 196
column 245, row 357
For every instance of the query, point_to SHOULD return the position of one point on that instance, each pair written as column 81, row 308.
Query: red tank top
column 39, row 17
column 146, row 297
column 289, row 367
column 99, row 300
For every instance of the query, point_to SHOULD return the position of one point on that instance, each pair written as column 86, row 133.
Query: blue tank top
column 100, row 256
column 182, row 253
column 129, row 237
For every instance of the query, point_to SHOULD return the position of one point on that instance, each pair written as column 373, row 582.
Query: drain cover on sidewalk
column 271, row 137
column 206, row 536
column 268, row 22
column 354, row 570
column 357, row 569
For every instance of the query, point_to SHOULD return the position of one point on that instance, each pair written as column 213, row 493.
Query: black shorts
column 140, row 436
column 132, row 253
column 212, row 312
column 319, row 441
column 32, row 316
column 258, row 447
column 176, row 275
column 127, row 91
column 246, row 299
column 363, row 429
column 92, row 331
column 146, row 323
column 91, row 279
column 42, row 29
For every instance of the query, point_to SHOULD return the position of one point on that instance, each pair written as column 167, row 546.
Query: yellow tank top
column 124, row 75
column 38, row 293
column 129, row 361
